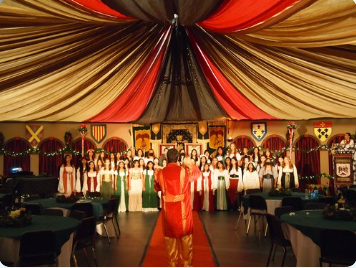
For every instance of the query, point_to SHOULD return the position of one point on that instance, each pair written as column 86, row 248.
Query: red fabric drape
column 274, row 143
column 235, row 15
column 99, row 7
column 130, row 105
column 115, row 145
column 336, row 139
column 16, row 145
column 243, row 142
column 77, row 146
column 50, row 164
column 308, row 164
column 231, row 100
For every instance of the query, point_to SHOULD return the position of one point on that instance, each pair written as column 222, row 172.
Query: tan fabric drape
column 66, row 70
column 288, row 83
column 324, row 23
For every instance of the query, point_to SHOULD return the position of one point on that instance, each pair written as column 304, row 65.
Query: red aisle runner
column 156, row 253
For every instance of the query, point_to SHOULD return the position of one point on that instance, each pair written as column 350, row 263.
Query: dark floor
column 230, row 248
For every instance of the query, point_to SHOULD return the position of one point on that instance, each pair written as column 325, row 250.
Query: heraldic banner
column 322, row 130
column 98, row 132
column 34, row 134
column 258, row 130
column 217, row 137
column 142, row 137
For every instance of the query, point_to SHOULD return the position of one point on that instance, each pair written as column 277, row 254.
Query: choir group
column 225, row 176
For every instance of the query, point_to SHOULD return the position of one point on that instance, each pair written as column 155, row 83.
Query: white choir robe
column 250, row 180
column 199, row 180
column 70, row 180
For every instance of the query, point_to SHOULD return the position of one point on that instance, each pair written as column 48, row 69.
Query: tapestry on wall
column 156, row 132
column 34, row 134
column 258, row 130
column 217, row 135
column 322, row 130
column 142, row 136
column 179, row 134
column 98, row 132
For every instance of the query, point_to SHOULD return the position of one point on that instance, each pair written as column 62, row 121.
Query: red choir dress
column 66, row 183
column 207, row 197
column 93, row 184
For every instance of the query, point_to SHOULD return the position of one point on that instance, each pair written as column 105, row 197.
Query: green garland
column 280, row 192
column 325, row 175
column 59, row 152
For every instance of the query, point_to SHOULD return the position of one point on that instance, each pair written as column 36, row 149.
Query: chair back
column 53, row 212
column 257, row 202
column 339, row 244
column 293, row 201
column 279, row 211
column 351, row 197
column 111, row 206
column 87, row 208
column 315, row 206
column 86, row 229
column 275, row 230
column 34, row 208
column 38, row 244
column 253, row 191
column 93, row 194
column 76, row 214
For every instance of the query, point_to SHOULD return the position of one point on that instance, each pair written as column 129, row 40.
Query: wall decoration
column 68, row 138
column 203, row 131
column 290, row 135
column 258, row 130
column 166, row 145
column 98, row 132
column 156, row 133
column 217, row 137
column 34, row 134
column 179, row 134
column 322, row 130
column 343, row 169
column 142, row 136
column 83, row 131
column 191, row 146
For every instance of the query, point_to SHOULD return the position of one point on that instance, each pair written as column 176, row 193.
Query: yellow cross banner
column 34, row 134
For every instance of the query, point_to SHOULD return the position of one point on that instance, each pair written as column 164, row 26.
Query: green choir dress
column 106, row 188
column 121, row 192
column 150, row 198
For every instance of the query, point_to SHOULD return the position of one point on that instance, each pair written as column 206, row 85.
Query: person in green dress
column 150, row 198
column 107, row 180
column 121, row 187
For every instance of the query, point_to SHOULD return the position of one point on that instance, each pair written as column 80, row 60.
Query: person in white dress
column 207, row 191
column 235, row 173
column 195, row 192
column 221, row 185
column 136, row 186
column 203, row 161
column 288, row 175
column 81, row 177
column 121, row 187
column 139, row 155
column 92, row 184
column 250, row 179
column 232, row 152
column 66, row 183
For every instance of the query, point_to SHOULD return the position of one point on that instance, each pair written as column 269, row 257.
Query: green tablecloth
column 246, row 201
column 98, row 205
column 61, row 226
column 311, row 224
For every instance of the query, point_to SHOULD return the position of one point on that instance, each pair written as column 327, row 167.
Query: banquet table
column 98, row 207
column 303, row 230
column 274, row 201
column 62, row 227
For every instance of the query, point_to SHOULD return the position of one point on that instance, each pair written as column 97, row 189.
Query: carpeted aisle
column 156, row 253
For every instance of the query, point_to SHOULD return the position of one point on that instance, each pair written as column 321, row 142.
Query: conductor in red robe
column 174, row 182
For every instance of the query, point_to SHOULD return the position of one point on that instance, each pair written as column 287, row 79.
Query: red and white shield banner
column 98, row 132
column 34, row 134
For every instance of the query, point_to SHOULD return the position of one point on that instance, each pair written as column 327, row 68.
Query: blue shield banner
column 259, row 130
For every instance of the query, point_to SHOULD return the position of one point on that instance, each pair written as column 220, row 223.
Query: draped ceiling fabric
column 127, row 61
